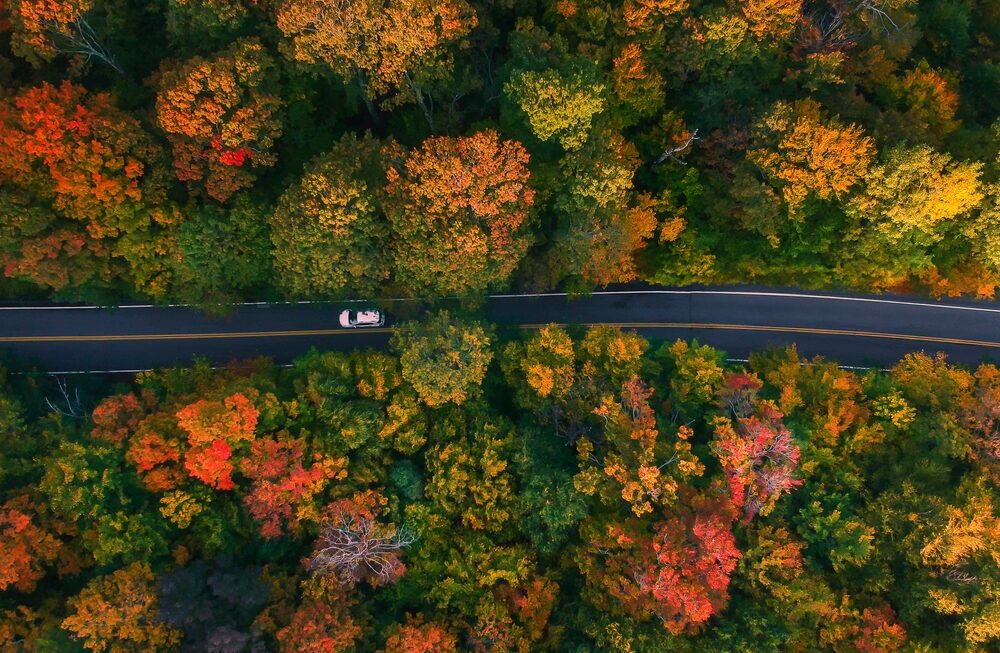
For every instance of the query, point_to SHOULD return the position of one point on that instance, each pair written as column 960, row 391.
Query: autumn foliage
column 811, row 154
column 758, row 457
column 220, row 117
column 25, row 547
column 380, row 42
column 466, row 201
column 215, row 429
column 38, row 22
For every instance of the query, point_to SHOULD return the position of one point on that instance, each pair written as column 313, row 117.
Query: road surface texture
column 852, row 329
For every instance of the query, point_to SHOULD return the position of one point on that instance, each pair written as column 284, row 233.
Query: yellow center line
column 626, row 325
column 783, row 329
column 190, row 336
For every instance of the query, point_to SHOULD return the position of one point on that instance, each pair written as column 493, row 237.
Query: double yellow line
column 627, row 325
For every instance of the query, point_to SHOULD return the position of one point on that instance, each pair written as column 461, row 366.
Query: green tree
column 445, row 361
column 329, row 237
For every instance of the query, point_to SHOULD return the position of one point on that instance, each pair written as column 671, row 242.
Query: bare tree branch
column 68, row 405
column 671, row 153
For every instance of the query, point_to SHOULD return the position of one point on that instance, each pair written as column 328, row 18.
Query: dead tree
column 354, row 547
column 79, row 38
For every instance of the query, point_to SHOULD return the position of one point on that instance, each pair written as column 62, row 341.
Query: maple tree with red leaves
column 157, row 457
column 282, row 486
column 215, row 429
column 322, row 623
column 94, row 161
column 82, row 177
column 759, row 459
column 25, row 547
column 677, row 570
column 417, row 636
column 687, row 580
column 116, row 417
column 880, row 632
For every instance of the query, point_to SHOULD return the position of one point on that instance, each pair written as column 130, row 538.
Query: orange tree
column 380, row 43
column 458, row 209
column 221, row 117
column 85, row 180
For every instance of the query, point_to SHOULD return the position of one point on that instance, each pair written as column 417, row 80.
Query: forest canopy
column 207, row 151
column 597, row 492
column 470, row 489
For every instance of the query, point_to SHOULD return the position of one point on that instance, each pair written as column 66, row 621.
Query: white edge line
column 871, row 300
column 750, row 293
column 145, row 369
column 286, row 365
column 808, row 363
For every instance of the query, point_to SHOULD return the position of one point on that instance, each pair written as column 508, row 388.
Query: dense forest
column 470, row 488
column 210, row 150
column 564, row 490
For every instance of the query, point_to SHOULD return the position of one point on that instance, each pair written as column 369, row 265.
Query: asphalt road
column 853, row 329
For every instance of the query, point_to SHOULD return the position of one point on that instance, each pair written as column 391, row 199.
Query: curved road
column 852, row 329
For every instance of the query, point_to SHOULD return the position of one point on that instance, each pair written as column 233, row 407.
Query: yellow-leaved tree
column 917, row 188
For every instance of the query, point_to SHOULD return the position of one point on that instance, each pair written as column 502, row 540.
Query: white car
column 367, row 318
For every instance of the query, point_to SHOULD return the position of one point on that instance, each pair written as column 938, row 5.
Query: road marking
column 782, row 329
column 761, row 293
column 750, row 293
column 624, row 325
column 188, row 336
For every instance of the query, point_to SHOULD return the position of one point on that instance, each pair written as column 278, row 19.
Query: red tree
column 688, row 578
column 80, row 174
column 678, row 572
column 156, row 458
column 116, row 417
column 94, row 161
column 415, row 636
column 215, row 429
column 879, row 631
column 282, row 485
column 25, row 548
column 321, row 624
column 758, row 458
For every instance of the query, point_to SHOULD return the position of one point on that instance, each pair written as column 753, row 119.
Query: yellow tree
column 774, row 19
column 377, row 42
column 651, row 14
column 807, row 154
column 557, row 106
column 327, row 232
column 117, row 613
column 542, row 369
column 917, row 188
column 443, row 361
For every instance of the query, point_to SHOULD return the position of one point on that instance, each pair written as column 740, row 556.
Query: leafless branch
column 68, row 404
column 356, row 548
column 82, row 39
column 671, row 153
